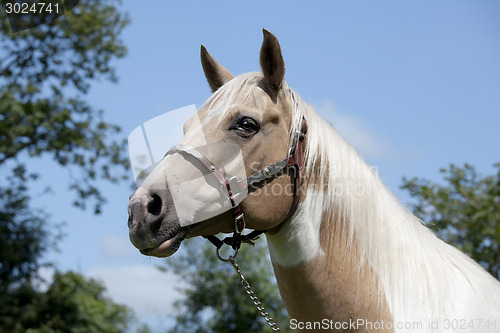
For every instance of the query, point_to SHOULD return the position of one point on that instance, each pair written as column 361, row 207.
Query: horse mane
column 416, row 271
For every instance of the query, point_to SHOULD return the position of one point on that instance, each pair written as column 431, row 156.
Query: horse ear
column 215, row 73
column 271, row 61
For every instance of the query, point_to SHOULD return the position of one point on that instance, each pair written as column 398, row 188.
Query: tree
column 45, row 73
column 24, row 237
column 464, row 212
column 70, row 304
column 214, row 299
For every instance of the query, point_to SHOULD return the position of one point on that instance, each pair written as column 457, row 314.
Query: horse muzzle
column 153, row 226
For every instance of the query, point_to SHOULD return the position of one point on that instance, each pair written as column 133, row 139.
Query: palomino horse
column 347, row 256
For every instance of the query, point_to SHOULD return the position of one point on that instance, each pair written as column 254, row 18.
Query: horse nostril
column 154, row 204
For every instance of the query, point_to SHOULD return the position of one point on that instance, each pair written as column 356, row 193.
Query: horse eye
column 247, row 125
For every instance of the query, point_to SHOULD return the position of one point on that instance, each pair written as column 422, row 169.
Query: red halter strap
column 294, row 162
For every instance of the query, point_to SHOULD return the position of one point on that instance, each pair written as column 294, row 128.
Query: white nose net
column 178, row 176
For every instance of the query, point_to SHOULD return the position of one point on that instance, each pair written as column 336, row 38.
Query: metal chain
column 254, row 297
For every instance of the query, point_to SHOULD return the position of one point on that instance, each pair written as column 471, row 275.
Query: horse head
column 251, row 116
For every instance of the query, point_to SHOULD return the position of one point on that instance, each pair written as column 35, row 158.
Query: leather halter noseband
column 294, row 162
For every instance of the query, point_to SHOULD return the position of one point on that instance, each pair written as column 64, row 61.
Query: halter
column 293, row 162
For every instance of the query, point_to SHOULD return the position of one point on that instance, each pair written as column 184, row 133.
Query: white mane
column 422, row 277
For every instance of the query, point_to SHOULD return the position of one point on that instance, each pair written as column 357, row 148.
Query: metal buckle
column 229, row 258
column 239, row 221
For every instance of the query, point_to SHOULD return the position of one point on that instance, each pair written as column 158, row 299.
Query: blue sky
column 413, row 85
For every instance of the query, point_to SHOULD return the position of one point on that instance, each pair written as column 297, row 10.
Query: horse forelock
column 236, row 91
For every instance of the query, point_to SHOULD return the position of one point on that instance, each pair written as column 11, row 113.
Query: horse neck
column 320, row 276
column 318, row 266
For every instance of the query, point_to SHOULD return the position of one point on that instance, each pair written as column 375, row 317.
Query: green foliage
column 44, row 72
column 71, row 304
column 24, row 237
column 215, row 300
column 465, row 211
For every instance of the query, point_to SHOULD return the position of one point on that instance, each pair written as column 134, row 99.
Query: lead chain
column 254, row 297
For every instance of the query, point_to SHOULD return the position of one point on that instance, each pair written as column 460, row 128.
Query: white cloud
column 145, row 289
column 356, row 132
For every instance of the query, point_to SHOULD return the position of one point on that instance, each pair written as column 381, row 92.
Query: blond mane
column 420, row 276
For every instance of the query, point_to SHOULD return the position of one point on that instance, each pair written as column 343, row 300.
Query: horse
column 346, row 254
